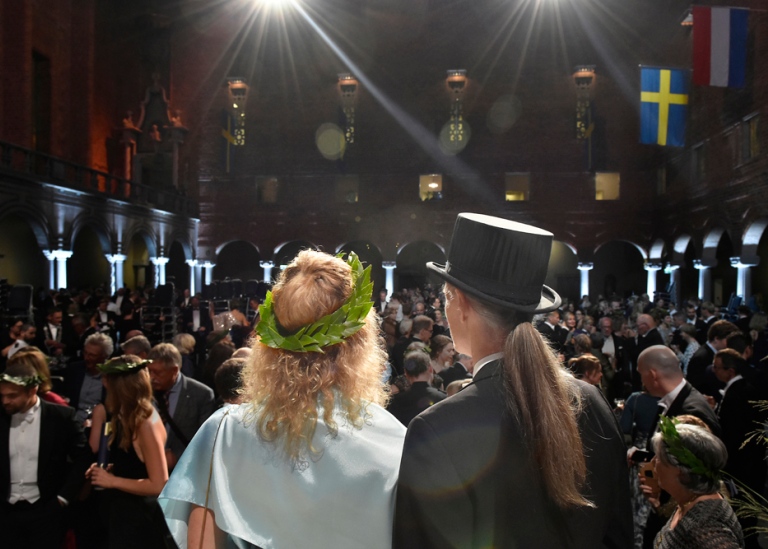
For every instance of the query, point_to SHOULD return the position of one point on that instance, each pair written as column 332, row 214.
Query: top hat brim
column 550, row 299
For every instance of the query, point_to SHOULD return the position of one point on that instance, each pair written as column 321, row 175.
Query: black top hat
column 501, row 262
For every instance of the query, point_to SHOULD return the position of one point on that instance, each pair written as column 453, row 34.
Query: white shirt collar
column 731, row 382
column 30, row 415
column 485, row 360
column 667, row 400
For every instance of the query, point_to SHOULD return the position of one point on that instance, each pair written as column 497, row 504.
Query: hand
column 100, row 477
column 711, row 401
column 649, row 494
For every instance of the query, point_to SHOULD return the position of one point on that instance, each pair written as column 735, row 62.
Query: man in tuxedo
column 552, row 331
column 614, row 349
column 42, row 462
column 700, row 373
column 380, row 305
column 406, row 405
column 739, row 418
column 185, row 301
column 647, row 336
column 183, row 403
column 461, row 369
column 421, row 331
column 662, row 377
column 82, row 379
column 52, row 337
column 474, row 470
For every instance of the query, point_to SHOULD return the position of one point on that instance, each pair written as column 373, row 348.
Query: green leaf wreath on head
column 22, row 381
column 684, row 456
column 329, row 330
column 117, row 366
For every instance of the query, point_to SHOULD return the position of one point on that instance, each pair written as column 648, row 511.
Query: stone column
column 176, row 132
column 51, row 257
column 743, row 266
column 584, row 269
column 705, row 277
column 267, row 266
column 652, row 269
column 389, row 267
column 192, row 275
column 677, row 295
column 208, row 266
column 61, row 267
column 159, row 263
column 116, row 266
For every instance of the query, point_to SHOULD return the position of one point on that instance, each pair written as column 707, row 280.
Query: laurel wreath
column 684, row 456
column 329, row 330
column 22, row 381
column 115, row 366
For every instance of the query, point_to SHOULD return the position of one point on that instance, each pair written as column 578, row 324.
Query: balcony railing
column 50, row 169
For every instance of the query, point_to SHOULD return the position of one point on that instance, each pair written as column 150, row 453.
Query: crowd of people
column 487, row 411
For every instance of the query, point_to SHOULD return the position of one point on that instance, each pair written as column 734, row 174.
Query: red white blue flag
column 720, row 46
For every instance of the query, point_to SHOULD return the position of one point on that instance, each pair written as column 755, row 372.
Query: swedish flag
column 663, row 106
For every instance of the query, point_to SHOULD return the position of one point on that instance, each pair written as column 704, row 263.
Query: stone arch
column 681, row 246
column 657, row 249
column 286, row 251
column 99, row 226
column 711, row 242
column 618, row 269
column 21, row 258
column 186, row 245
column 147, row 233
column 562, row 272
column 411, row 263
column 225, row 244
column 369, row 254
column 34, row 217
column 639, row 248
column 238, row 259
column 751, row 239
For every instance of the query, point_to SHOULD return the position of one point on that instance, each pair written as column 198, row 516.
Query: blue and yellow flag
column 663, row 106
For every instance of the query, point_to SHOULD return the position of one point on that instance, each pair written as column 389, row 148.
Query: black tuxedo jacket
column 205, row 320
column 194, row 406
column 454, row 373
column 692, row 402
column 738, row 418
column 62, row 458
column 556, row 336
column 467, row 478
column 408, row 404
column 697, row 370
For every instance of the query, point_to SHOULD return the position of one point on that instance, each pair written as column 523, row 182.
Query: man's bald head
column 659, row 369
column 645, row 323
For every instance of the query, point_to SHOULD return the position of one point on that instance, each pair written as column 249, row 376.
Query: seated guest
column 138, row 469
column 687, row 464
column 7, row 340
column 183, row 403
column 229, row 381
column 421, row 395
column 32, row 356
column 82, row 380
column 41, row 460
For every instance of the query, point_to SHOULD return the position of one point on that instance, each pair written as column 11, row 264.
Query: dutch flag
column 719, row 46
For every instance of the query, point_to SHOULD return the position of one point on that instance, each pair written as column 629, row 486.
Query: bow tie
column 27, row 417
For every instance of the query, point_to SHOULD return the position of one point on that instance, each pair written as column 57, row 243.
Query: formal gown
column 133, row 521
column 342, row 496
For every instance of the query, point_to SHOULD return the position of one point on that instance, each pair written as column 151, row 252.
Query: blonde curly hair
column 290, row 391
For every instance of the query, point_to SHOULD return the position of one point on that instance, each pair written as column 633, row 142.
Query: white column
column 267, row 266
column 51, row 257
column 116, row 261
column 208, row 266
column 389, row 267
column 192, row 272
column 744, row 276
column 584, row 269
column 652, row 269
column 673, row 270
column 705, row 279
column 61, row 267
column 159, row 263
